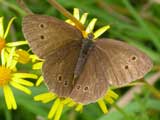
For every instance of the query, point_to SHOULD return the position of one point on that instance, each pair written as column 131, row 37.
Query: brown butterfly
column 77, row 67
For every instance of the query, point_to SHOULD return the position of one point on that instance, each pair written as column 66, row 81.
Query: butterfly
column 77, row 67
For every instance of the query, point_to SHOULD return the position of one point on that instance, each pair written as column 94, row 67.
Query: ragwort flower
column 10, row 77
column 4, row 33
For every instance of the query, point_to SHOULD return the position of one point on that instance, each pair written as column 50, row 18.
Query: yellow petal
column 9, row 60
column 45, row 97
column 53, row 108
column 9, row 98
column 39, row 81
column 22, row 56
column 100, row 31
column 1, row 27
column 76, row 13
column 102, row 105
column 67, row 100
column 70, row 22
column 109, row 100
column 8, row 27
column 59, row 111
column 35, row 58
column 23, row 82
column 112, row 94
column 3, row 60
column 79, row 108
column 13, row 65
column 20, row 87
column 71, row 104
column 18, row 43
column 91, row 25
column 37, row 66
column 84, row 18
column 25, row 75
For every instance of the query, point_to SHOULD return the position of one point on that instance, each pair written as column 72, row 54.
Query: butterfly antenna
column 24, row 7
column 66, row 13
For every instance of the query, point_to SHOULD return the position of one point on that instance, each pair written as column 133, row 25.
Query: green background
column 136, row 22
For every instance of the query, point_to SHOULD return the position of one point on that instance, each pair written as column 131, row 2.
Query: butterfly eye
column 126, row 67
column 86, row 88
column 42, row 37
column 78, row 87
column 65, row 83
column 41, row 25
column 134, row 58
column 59, row 78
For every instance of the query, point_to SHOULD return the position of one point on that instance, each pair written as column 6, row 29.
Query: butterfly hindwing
column 91, row 84
column 122, row 62
column 59, row 67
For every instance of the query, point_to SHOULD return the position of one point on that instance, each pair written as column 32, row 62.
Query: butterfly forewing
column 45, row 34
column 122, row 63
column 59, row 67
column 92, row 83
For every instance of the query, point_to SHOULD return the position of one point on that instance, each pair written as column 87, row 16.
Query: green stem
column 152, row 89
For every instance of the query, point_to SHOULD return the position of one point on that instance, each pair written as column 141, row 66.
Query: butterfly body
column 69, row 56
column 87, row 45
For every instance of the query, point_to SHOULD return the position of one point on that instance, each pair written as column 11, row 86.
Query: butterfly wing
column 59, row 67
column 122, row 63
column 92, row 83
column 45, row 34
column 110, row 62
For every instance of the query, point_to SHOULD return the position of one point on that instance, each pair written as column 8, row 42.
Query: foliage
column 135, row 21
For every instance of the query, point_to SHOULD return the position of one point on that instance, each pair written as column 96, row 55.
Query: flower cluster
column 11, row 76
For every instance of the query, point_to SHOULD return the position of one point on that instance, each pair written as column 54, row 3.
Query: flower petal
column 9, row 60
column 37, row 66
column 39, row 81
column 76, row 13
column 83, row 18
column 102, row 105
column 9, row 98
column 8, row 27
column 91, row 25
column 1, row 27
column 18, row 43
column 59, row 111
column 109, row 100
column 25, row 75
column 45, row 97
column 3, row 60
column 112, row 94
column 71, row 104
column 79, row 108
column 100, row 31
column 20, row 87
column 54, row 108
column 23, row 82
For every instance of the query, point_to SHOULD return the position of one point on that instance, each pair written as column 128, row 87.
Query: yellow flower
column 25, row 57
column 4, row 33
column 59, row 103
column 9, row 77
column 91, row 25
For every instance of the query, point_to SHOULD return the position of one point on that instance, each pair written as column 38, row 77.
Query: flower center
column 2, row 43
column 5, row 75
column 23, row 56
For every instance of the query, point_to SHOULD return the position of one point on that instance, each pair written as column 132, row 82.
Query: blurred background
column 136, row 22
